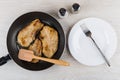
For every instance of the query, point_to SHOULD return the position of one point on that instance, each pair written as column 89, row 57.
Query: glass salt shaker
column 75, row 8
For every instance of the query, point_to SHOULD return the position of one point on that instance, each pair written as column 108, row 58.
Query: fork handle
column 101, row 52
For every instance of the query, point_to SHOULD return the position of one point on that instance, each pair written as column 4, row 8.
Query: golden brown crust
column 37, row 48
column 48, row 43
column 49, row 38
column 27, row 34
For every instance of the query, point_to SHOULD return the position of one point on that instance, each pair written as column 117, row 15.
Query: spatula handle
column 59, row 62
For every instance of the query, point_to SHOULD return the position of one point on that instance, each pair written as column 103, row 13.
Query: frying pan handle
column 4, row 59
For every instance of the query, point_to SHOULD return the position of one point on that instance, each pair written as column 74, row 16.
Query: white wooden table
column 105, row 9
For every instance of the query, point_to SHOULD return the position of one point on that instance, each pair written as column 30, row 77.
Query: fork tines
column 84, row 28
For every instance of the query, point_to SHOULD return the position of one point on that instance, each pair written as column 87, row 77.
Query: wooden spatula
column 28, row 55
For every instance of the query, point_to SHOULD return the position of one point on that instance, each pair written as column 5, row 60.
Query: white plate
column 83, row 49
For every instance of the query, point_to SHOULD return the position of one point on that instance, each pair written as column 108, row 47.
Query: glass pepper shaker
column 62, row 13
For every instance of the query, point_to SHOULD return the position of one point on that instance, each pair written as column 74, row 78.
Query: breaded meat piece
column 37, row 48
column 49, row 38
column 27, row 34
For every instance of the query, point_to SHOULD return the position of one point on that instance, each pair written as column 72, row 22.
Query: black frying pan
column 13, row 47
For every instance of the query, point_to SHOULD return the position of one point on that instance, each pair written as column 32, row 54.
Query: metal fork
column 89, row 34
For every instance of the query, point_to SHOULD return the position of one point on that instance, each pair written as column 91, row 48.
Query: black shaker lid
column 75, row 6
column 62, row 11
